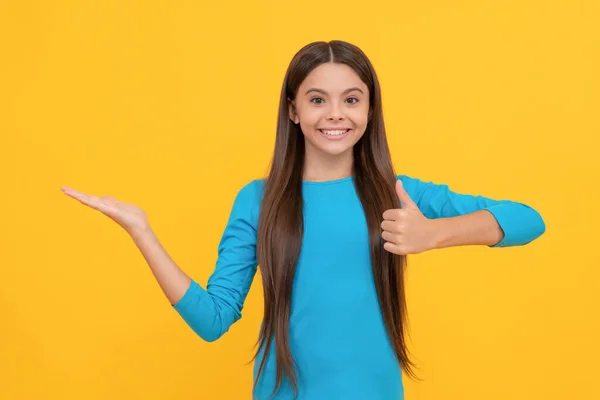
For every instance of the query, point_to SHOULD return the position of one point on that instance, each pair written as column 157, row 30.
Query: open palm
column 130, row 217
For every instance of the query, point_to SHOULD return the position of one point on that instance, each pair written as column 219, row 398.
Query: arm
column 464, row 219
column 172, row 280
column 477, row 228
column 210, row 312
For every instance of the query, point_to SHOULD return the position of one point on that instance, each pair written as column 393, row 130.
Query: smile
column 335, row 134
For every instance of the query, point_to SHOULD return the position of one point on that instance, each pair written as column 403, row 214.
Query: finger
column 405, row 201
column 392, row 215
column 390, row 237
column 76, row 195
column 108, row 200
column 392, row 248
column 390, row 226
column 91, row 201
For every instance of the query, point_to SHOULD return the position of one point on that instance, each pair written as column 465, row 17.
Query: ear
column 292, row 112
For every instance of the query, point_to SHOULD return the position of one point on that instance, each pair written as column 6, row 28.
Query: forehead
column 332, row 77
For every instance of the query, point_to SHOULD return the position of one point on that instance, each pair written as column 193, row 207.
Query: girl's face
column 332, row 108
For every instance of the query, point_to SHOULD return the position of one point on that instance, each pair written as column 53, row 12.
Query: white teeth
column 336, row 132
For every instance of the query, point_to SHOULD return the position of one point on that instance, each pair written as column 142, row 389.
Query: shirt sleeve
column 520, row 223
column 210, row 312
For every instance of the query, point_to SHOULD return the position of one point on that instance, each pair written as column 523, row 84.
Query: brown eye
column 316, row 98
column 353, row 98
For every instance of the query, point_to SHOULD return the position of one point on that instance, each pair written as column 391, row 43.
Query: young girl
column 330, row 228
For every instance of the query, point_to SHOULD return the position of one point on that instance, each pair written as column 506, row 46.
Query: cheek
column 310, row 119
column 360, row 117
column 363, row 116
column 360, row 120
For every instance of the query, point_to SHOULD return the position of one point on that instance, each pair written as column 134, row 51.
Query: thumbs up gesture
column 406, row 230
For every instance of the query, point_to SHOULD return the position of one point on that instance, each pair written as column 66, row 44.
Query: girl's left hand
column 406, row 230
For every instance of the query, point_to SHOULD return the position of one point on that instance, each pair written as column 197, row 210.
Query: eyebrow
column 324, row 92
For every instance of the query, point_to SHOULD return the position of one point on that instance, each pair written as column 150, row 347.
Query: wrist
column 140, row 233
column 439, row 233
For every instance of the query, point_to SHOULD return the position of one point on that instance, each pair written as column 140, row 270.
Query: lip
column 329, row 137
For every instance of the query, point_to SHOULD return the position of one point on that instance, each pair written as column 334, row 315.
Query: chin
column 332, row 146
column 335, row 150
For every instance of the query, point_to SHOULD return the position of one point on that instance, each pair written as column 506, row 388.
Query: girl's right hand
column 131, row 218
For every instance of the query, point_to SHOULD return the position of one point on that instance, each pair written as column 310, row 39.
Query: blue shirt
column 337, row 333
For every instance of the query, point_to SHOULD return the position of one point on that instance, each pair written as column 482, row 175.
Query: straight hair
column 281, row 228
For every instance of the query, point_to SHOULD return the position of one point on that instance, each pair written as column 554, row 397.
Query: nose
column 335, row 113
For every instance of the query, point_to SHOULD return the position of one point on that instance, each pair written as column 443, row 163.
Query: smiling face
column 332, row 108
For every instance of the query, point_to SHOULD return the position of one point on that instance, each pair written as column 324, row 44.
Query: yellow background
column 172, row 106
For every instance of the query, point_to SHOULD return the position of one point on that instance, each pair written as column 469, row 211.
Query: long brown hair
column 281, row 227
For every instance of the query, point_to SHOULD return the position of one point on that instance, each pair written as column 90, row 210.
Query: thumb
column 405, row 200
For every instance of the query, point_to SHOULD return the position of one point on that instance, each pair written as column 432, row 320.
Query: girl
column 330, row 227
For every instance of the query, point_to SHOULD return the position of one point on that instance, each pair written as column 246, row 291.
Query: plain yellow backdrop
column 172, row 106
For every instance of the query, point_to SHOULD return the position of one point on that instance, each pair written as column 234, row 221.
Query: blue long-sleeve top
column 337, row 333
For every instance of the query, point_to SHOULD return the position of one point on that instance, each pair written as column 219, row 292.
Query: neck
column 319, row 168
